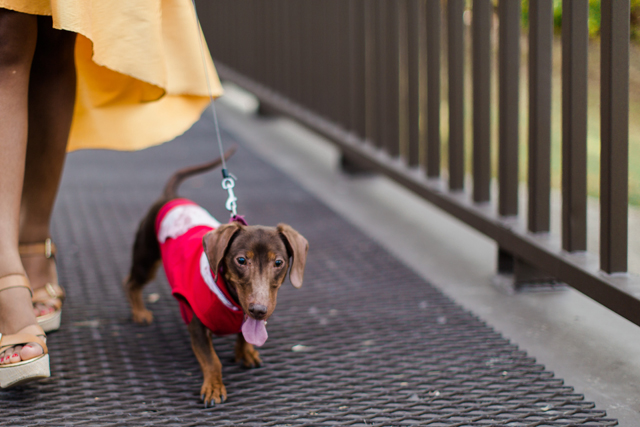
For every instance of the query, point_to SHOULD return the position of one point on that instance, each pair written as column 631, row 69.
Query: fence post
column 481, row 41
column 540, row 45
column 361, row 75
column 455, row 41
column 357, row 68
column 515, row 274
column 433, row 25
column 509, row 87
column 575, row 33
column 392, row 82
column 415, row 22
column 614, row 135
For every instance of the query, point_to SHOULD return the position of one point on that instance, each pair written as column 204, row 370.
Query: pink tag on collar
column 238, row 218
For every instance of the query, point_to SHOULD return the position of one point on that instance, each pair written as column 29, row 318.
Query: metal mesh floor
column 381, row 346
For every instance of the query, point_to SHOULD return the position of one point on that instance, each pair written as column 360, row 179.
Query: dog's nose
column 258, row 311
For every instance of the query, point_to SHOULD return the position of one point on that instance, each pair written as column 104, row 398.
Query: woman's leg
column 18, row 34
column 52, row 90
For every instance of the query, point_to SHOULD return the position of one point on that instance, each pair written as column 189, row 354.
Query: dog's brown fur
column 268, row 253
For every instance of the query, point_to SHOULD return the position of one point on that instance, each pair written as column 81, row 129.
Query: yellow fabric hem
column 140, row 75
column 158, row 122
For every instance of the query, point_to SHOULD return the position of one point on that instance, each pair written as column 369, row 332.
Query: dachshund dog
column 225, row 277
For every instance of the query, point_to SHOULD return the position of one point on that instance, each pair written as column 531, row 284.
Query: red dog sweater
column 180, row 226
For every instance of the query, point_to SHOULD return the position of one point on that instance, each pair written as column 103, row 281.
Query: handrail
column 355, row 71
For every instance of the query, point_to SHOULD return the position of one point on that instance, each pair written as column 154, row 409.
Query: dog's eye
column 241, row 260
column 279, row 263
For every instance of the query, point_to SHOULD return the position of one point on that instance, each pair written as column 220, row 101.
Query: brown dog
column 235, row 292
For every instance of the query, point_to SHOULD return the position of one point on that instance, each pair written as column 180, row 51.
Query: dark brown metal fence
column 357, row 72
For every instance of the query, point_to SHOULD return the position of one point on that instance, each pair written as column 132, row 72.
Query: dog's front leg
column 213, row 390
column 246, row 353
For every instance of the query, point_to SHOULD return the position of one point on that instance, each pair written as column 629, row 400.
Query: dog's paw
column 249, row 357
column 213, row 393
column 142, row 316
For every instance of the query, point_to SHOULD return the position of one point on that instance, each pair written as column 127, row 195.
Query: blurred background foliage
column 594, row 17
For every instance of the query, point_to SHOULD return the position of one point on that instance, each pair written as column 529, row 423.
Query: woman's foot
column 16, row 313
column 39, row 263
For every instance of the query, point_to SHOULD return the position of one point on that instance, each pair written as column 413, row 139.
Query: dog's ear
column 298, row 248
column 215, row 244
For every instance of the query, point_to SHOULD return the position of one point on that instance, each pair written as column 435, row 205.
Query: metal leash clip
column 228, row 182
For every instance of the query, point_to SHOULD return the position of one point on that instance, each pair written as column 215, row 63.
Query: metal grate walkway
column 380, row 347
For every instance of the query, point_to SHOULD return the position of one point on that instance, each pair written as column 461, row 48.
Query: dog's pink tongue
column 254, row 331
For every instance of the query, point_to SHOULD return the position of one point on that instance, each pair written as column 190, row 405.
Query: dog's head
column 255, row 261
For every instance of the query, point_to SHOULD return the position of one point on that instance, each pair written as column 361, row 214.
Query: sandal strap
column 51, row 291
column 46, row 248
column 32, row 333
column 14, row 280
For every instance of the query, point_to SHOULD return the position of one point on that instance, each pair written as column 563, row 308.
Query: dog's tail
column 171, row 188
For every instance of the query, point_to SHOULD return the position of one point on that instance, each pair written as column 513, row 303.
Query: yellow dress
column 139, row 66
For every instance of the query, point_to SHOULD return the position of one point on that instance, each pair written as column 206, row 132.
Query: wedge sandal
column 52, row 294
column 14, row 374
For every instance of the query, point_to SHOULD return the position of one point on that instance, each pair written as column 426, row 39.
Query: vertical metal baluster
column 509, row 106
column 357, row 67
column 540, row 42
column 614, row 135
column 481, row 41
column 414, row 51
column 575, row 32
column 455, row 65
column 434, row 18
column 392, row 110
column 343, row 87
column 382, row 97
column 372, row 96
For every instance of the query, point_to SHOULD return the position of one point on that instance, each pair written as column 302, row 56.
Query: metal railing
column 357, row 71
